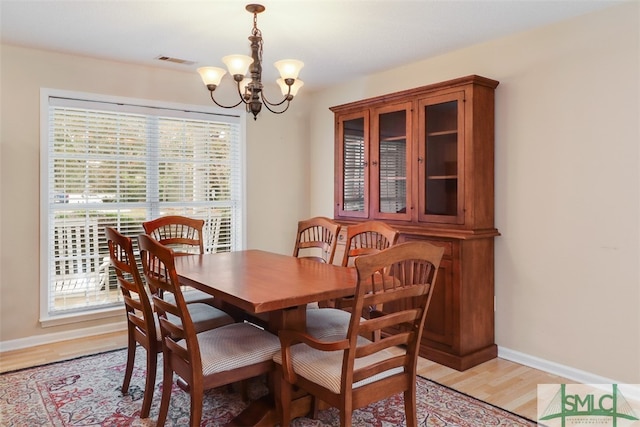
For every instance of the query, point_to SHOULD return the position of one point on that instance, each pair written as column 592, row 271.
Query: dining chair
column 317, row 239
column 362, row 239
column 142, row 324
column 351, row 372
column 205, row 360
column 182, row 234
column 186, row 237
column 367, row 238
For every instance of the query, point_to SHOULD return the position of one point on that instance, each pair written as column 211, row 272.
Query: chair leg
column 131, row 357
column 285, row 402
column 167, row 383
column 244, row 390
column 150, row 383
column 197, row 394
column 315, row 407
column 410, row 409
column 346, row 410
column 345, row 417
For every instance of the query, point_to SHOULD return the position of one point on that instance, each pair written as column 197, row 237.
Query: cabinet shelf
column 393, row 138
column 442, row 177
column 443, row 133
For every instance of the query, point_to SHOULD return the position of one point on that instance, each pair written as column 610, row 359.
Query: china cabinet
column 422, row 161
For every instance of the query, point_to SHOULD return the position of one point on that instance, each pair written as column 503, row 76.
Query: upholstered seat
column 327, row 322
column 205, row 317
column 325, row 367
column 234, row 346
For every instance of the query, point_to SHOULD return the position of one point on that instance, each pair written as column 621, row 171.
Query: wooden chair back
column 400, row 280
column 182, row 234
column 367, row 238
column 317, row 239
column 141, row 326
column 160, row 273
column 136, row 299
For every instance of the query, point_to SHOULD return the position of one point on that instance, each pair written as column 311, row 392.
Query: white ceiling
column 337, row 40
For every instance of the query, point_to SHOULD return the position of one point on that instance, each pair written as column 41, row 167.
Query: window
column 116, row 162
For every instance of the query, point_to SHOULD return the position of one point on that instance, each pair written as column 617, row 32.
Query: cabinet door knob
column 420, row 159
column 374, row 163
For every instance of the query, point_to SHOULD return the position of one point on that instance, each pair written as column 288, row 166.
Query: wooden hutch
column 422, row 160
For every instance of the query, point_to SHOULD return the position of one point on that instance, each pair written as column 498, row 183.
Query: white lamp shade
column 289, row 68
column 243, row 84
column 294, row 87
column 237, row 64
column 211, row 75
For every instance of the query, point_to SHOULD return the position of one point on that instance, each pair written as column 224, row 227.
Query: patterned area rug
column 86, row 392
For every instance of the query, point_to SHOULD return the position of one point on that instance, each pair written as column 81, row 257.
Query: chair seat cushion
column 327, row 322
column 204, row 317
column 325, row 367
column 192, row 295
column 235, row 346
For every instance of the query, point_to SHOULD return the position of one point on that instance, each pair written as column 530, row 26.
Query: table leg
column 294, row 318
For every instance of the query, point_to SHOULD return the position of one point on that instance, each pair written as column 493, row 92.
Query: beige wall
column 277, row 149
column 567, row 183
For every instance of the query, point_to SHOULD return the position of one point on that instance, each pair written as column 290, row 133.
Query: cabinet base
column 460, row 363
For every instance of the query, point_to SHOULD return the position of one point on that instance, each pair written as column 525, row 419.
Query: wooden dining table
column 270, row 286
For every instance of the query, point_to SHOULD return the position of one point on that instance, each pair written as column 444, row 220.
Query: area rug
column 86, row 392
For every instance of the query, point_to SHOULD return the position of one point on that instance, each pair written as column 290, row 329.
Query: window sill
column 65, row 319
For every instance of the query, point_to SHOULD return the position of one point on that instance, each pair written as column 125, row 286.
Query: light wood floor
column 500, row 382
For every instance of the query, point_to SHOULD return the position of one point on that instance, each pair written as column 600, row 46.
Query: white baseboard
column 554, row 368
column 632, row 390
column 21, row 343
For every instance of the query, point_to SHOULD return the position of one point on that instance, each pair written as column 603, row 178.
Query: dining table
column 270, row 286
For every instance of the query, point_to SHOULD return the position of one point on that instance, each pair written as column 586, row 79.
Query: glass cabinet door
column 353, row 153
column 390, row 154
column 441, row 159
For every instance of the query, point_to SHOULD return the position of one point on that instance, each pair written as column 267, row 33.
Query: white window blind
column 393, row 175
column 354, row 165
column 119, row 164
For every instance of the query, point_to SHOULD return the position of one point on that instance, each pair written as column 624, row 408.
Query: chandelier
column 250, row 88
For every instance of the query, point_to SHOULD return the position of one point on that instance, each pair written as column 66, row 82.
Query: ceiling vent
column 175, row 60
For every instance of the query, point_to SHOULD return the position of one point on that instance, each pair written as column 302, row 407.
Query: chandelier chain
column 257, row 33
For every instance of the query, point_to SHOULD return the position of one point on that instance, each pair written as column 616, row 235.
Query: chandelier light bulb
column 284, row 88
column 289, row 68
column 238, row 65
column 211, row 76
